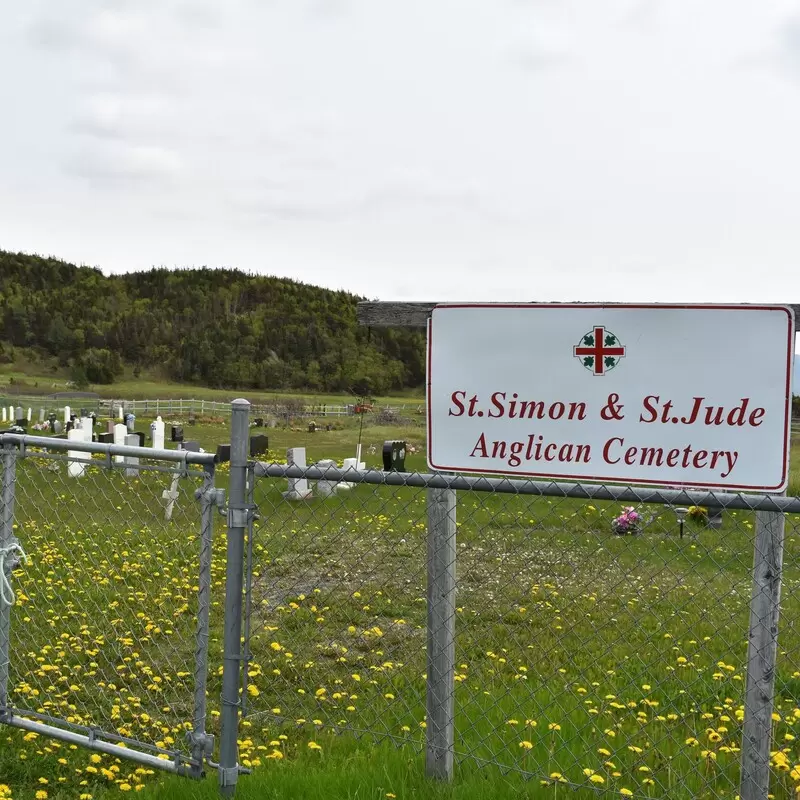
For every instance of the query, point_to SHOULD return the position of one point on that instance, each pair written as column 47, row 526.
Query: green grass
column 42, row 376
column 576, row 649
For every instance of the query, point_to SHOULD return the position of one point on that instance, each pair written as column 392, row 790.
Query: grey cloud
column 531, row 58
column 642, row 14
column 115, row 164
column 789, row 46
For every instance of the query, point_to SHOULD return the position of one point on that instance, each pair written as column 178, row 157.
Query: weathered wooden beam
column 415, row 315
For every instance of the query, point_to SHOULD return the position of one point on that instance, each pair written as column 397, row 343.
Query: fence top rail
column 184, row 456
column 583, row 491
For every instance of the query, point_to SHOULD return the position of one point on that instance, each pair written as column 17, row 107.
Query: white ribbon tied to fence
column 7, row 596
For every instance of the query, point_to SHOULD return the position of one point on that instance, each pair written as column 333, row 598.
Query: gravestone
column 157, row 433
column 312, row 427
column 192, row 418
column 394, row 456
column 67, row 415
column 120, row 432
column 258, row 445
column 176, row 433
column 41, row 416
column 715, row 518
column 223, row 454
column 69, row 426
column 141, row 437
column 57, row 427
column 130, row 422
column 190, row 445
column 259, row 422
column 110, row 426
column 170, row 495
column 131, row 462
column 75, row 469
column 5, row 414
column 298, row 487
column 87, row 426
column 326, row 488
column 105, row 438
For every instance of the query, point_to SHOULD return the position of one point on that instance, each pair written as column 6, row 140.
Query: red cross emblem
column 599, row 350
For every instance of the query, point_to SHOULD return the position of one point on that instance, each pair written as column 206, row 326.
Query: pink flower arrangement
column 628, row 522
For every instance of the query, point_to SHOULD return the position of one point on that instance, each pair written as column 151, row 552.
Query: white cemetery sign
column 695, row 396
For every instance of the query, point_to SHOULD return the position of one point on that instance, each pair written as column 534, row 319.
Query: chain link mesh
column 598, row 645
column 104, row 631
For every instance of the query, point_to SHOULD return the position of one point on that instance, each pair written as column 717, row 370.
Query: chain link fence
column 105, row 629
column 585, row 636
column 603, row 639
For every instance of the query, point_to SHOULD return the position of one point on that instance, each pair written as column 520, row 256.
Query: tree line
column 222, row 328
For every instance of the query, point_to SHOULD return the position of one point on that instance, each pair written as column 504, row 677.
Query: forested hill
column 217, row 327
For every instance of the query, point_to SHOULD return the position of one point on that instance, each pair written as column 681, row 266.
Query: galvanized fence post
column 238, row 514
column 761, row 655
column 7, row 540
column 440, row 723
column 202, row 743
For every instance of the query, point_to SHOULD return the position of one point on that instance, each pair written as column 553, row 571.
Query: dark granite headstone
column 105, row 438
column 223, row 453
column 177, row 433
column 394, row 456
column 141, row 436
column 258, row 445
column 259, row 422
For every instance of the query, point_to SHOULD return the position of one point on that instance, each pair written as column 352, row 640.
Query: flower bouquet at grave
column 698, row 514
column 628, row 523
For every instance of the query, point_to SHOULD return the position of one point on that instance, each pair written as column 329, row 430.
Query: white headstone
column 360, row 465
column 171, row 495
column 30, row 413
column 298, row 487
column 11, row 413
column 41, row 416
column 87, row 426
column 121, row 413
column 326, row 488
column 158, row 434
column 131, row 462
column 67, row 414
column 120, row 432
column 74, row 468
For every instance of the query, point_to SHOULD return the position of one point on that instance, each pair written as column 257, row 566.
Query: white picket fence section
column 181, row 408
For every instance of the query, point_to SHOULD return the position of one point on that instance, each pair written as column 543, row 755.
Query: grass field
column 36, row 377
column 586, row 661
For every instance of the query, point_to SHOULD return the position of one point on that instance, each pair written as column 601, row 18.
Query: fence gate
column 105, row 581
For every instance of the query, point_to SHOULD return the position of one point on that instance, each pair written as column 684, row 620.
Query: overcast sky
column 425, row 149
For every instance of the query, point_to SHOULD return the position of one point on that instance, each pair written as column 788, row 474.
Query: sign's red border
column 607, row 479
